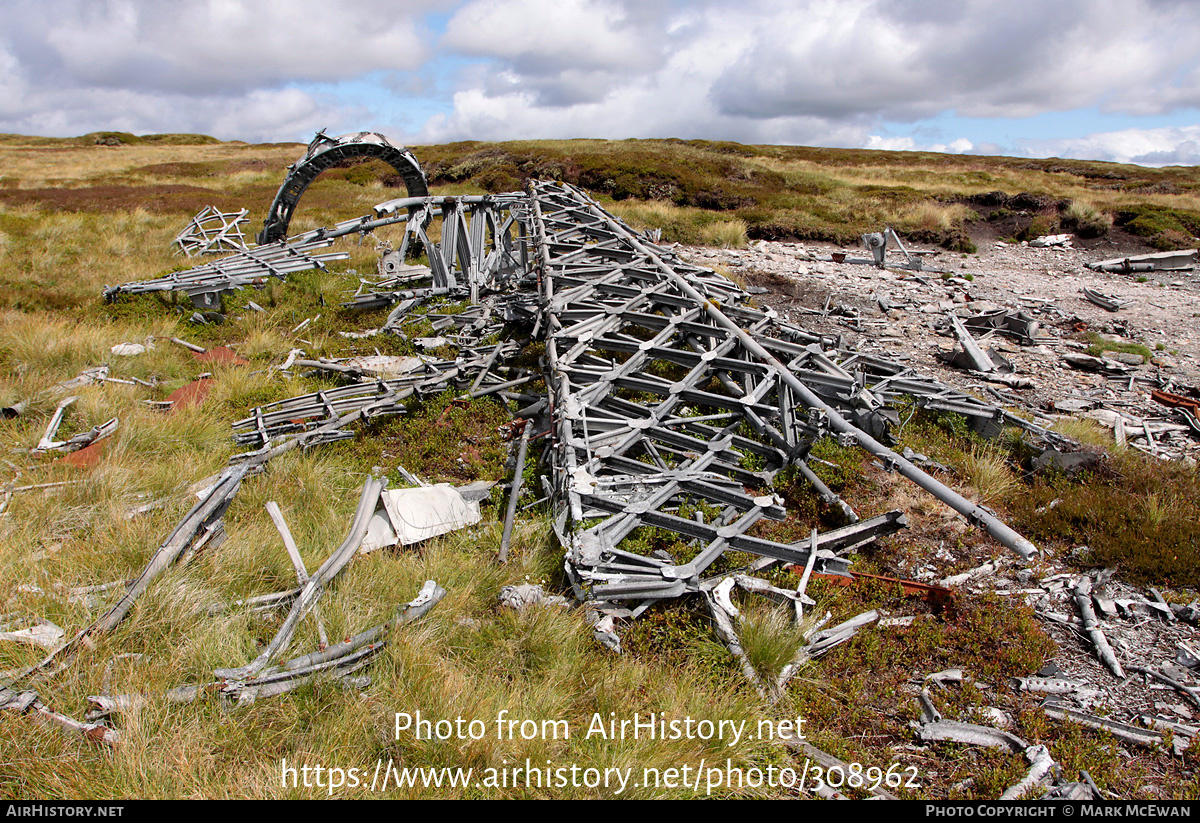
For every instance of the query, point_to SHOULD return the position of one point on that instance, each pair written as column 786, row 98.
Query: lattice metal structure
column 268, row 424
column 674, row 403
column 666, row 391
column 250, row 267
column 212, row 232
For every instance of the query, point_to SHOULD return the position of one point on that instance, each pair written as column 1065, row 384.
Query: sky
column 1111, row 80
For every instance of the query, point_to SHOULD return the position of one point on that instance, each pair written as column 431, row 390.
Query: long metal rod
column 515, row 491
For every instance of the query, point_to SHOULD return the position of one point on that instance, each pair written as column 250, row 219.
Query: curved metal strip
column 325, row 152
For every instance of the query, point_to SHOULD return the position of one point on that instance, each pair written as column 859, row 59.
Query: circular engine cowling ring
column 323, row 153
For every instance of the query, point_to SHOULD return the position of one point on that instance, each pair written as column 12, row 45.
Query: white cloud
column 562, row 52
column 673, row 101
column 830, row 72
column 541, row 36
column 890, row 143
column 825, row 72
column 960, row 145
column 221, row 67
column 262, row 115
column 1147, row 147
column 14, row 91
column 207, row 46
column 905, row 60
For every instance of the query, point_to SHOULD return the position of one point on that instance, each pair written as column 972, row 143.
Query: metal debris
column 1161, row 261
column 15, row 409
column 28, row 701
column 41, row 633
column 521, row 597
column 47, row 442
column 129, row 349
column 75, row 442
column 877, row 244
column 1104, row 301
column 831, row 765
column 1092, row 626
column 324, row 152
column 212, row 232
column 302, row 576
column 611, row 307
column 971, row 734
column 425, row 512
column 314, row 587
column 669, row 404
column 604, row 630
column 823, row 641
column 1192, row 693
column 514, row 489
column 87, row 377
column 198, row 525
column 972, row 355
column 339, row 660
column 1041, row 771
column 723, row 614
column 250, row 267
column 1122, row 731
column 1047, row 240
column 1016, row 324
column 609, row 295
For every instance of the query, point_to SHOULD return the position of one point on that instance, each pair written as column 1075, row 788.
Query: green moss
column 678, row 633
column 1039, row 226
column 1100, row 344
column 1166, row 228
column 442, row 439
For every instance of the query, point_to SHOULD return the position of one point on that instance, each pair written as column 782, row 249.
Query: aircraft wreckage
column 670, row 402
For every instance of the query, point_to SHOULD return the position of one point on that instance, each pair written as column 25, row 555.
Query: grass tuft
column 729, row 234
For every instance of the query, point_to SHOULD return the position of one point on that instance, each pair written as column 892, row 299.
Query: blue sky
column 1093, row 79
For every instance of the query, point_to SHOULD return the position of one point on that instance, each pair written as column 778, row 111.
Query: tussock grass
column 770, row 638
column 929, row 216
column 1086, row 431
column 729, row 234
column 988, row 472
column 1086, row 220
column 1134, row 512
column 687, row 224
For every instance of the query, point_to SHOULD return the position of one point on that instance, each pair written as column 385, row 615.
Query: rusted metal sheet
column 938, row 597
column 222, row 356
column 190, row 394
